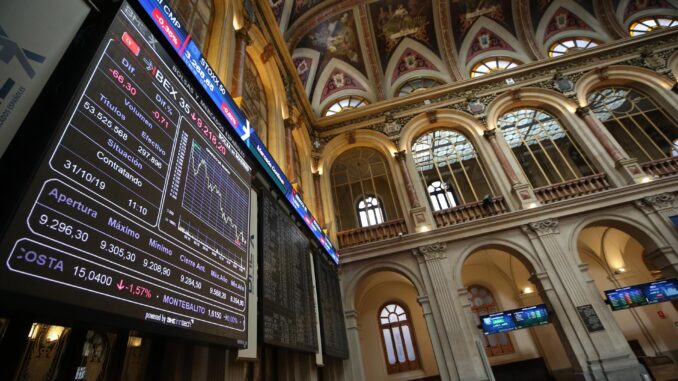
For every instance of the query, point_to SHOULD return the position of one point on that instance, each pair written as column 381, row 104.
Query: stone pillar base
column 421, row 219
column 525, row 195
column 631, row 171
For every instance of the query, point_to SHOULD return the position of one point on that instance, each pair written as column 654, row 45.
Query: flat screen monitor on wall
column 510, row 320
column 642, row 294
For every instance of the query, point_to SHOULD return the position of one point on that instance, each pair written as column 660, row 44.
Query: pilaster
column 463, row 360
column 355, row 363
column 601, row 354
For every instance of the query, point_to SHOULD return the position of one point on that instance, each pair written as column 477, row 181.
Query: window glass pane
column 400, row 350
column 388, row 343
column 408, row 343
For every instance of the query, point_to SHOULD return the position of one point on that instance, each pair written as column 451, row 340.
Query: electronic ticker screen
column 141, row 205
column 514, row 319
column 642, row 294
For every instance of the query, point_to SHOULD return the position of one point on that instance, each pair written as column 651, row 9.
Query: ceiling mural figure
column 466, row 12
column 395, row 20
column 336, row 38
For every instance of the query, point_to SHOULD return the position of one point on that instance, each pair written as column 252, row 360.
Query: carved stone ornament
column 656, row 203
column 562, row 83
column 391, row 127
column 432, row 251
column 475, row 106
column 653, row 61
column 545, row 227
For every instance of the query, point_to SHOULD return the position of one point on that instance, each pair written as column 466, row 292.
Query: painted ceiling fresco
column 466, row 12
column 370, row 48
column 395, row 20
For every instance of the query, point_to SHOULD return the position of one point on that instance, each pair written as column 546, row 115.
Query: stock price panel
column 141, row 207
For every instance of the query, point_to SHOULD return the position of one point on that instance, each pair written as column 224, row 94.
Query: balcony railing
column 661, row 167
column 470, row 212
column 359, row 236
column 573, row 188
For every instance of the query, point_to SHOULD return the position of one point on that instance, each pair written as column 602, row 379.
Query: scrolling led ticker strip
column 166, row 20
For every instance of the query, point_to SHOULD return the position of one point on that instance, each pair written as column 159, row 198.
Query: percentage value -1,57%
column 134, row 289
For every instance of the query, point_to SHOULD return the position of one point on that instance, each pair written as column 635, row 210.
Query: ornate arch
column 324, row 79
column 403, row 269
column 275, row 94
column 646, row 80
column 438, row 72
column 520, row 252
column 302, row 56
column 639, row 229
column 597, row 32
column 517, row 53
column 357, row 139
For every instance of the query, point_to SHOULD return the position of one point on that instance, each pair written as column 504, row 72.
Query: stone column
column 290, row 125
column 658, row 209
column 435, row 339
column 318, row 199
column 627, row 166
column 601, row 353
column 411, row 194
column 355, row 362
column 423, row 221
column 462, row 359
column 523, row 191
column 242, row 40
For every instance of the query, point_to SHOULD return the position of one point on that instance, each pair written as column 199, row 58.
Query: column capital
column 242, row 34
column 656, row 203
column 400, row 155
column 433, row 251
column 583, row 111
column 544, row 227
column 490, row 134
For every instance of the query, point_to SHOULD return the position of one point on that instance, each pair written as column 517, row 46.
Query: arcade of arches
column 469, row 157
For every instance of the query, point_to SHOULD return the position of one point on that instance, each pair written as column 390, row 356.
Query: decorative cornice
column 545, row 227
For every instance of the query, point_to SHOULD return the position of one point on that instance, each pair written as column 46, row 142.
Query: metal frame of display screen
column 511, row 320
column 139, row 213
column 642, row 294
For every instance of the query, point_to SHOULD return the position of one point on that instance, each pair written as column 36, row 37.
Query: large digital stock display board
column 141, row 206
column 505, row 321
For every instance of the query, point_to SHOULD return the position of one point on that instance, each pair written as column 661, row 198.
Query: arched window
column 648, row 24
column 346, row 103
column 254, row 104
column 441, row 198
column 543, row 148
column 570, row 45
column 358, row 176
column 417, row 84
column 449, row 168
column 483, row 303
column 398, row 339
column 490, row 65
column 370, row 211
column 196, row 16
column 643, row 129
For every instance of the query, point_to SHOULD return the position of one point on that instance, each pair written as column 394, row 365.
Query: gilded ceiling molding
column 449, row 50
column 525, row 29
column 373, row 60
column 539, row 74
column 606, row 9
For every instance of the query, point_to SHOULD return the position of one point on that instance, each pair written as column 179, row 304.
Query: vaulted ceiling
column 370, row 49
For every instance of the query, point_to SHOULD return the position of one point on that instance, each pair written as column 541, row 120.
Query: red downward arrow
column 121, row 285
